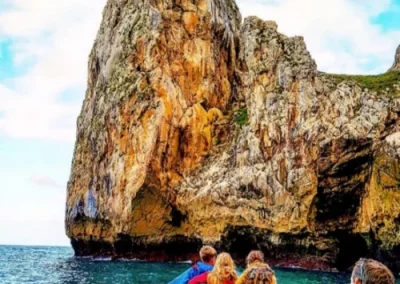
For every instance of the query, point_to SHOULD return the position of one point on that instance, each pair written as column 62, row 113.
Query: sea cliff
column 200, row 127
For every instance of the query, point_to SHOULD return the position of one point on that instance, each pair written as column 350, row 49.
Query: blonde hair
column 207, row 253
column 224, row 269
column 260, row 275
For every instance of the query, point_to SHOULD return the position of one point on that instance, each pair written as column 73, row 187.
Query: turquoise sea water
column 56, row 265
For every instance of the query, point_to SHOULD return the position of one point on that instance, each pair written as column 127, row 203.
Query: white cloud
column 51, row 40
column 34, row 115
column 44, row 181
column 339, row 33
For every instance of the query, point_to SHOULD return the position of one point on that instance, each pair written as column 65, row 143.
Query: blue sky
column 44, row 45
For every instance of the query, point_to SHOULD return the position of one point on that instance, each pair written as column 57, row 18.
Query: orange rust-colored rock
column 190, row 22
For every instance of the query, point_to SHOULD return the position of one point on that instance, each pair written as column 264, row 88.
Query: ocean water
column 56, row 265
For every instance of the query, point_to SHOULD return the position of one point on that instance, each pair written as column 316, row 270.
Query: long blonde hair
column 224, row 269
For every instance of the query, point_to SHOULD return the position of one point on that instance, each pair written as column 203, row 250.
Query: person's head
column 208, row 254
column 368, row 271
column 260, row 275
column 224, row 269
column 254, row 256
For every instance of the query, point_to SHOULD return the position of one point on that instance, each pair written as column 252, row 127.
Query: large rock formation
column 198, row 128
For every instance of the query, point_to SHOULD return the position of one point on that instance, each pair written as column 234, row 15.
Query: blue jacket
column 192, row 272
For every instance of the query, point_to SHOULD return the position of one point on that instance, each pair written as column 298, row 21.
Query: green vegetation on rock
column 387, row 82
column 241, row 117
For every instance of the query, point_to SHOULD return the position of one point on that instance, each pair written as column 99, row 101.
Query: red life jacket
column 202, row 279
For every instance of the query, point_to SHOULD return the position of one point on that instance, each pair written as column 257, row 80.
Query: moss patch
column 241, row 117
column 383, row 83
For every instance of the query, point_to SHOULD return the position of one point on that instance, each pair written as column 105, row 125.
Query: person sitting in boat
column 224, row 272
column 255, row 259
column 369, row 271
column 260, row 275
column 207, row 256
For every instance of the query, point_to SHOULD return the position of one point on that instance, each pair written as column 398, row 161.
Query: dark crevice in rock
column 177, row 218
column 345, row 168
column 91, row 248
column 250, row 192
column 390, row 257
column 333, row 153
column 334, row 205
column 351, row 247
column 123, row 244
column 352, row 167
column 177, row 248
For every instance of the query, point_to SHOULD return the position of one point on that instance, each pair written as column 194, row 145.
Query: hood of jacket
column 204, row 267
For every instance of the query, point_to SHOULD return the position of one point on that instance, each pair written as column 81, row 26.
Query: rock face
column 396, row 64
column 198, row 128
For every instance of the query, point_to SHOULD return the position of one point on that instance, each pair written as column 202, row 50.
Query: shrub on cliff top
column 383, row 83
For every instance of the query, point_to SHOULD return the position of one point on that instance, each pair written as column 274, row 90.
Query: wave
column 102, row 258
column 93, row 258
